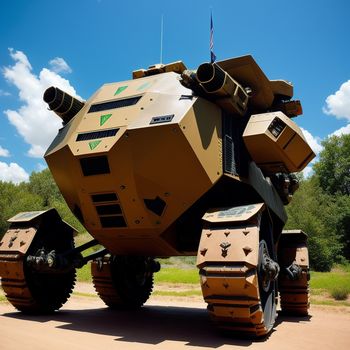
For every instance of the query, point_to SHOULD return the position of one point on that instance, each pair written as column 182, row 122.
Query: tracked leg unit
column 31, row 238
column 124, row 281
column 294, row 277
column 238, row 270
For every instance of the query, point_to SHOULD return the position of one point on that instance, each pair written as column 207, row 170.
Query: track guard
column 228, row 259
column 23, row 228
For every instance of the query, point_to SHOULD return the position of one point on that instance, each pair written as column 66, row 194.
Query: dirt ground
column 163, row 323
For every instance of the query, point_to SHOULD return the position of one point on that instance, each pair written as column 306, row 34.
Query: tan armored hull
column 134, row 175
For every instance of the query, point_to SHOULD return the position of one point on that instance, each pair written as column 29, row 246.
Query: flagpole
column 211, row 44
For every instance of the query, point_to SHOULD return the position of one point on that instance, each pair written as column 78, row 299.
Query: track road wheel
column 267, row 273
column 238, row 274
column 123, row 282
column 36, row 292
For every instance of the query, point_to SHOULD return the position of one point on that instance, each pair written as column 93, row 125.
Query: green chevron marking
column 120, row 89
column 104, row 118
column 94, row 144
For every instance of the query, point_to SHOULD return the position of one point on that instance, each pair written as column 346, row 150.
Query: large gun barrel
column 63, row 104
column 226, row 91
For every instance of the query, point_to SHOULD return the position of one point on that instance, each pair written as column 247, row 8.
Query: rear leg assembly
column 238, row 270
column 294, row 277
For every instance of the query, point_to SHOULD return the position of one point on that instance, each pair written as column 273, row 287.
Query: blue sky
column 80, row 45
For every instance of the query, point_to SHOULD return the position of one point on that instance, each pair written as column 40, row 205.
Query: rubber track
column 113, row 290
column 14, row 284
column 231, row 287
column 239, row 313
column 295, row 298
column 295, row 295
column 103, row 283
column 18, row 292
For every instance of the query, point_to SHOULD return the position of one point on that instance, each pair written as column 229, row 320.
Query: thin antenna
column 211, row 41
column 161, row 40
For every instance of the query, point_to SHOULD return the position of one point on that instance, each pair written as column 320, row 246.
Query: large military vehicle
column 174, row 162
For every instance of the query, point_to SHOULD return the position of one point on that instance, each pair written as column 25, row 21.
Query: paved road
column 84, row 323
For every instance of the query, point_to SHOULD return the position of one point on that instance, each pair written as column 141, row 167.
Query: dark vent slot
column 97, row 135
column 156, row 205
column 94, row 165
column 104, row 197
column 112, row 221
column 98, row 107
column 108, row 209
column 228, row 155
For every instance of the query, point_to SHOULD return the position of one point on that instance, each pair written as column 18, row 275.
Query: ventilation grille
column 229, row 165
column 97, row 135
column 108, row 209
column 104, row 106
column 94, row 165
column 104, row 197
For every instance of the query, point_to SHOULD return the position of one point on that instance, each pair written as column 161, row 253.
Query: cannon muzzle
column 63, row 104
column 226, row 91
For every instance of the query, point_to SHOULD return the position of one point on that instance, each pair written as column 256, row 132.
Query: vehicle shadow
column 283, row 317
column 150, row 325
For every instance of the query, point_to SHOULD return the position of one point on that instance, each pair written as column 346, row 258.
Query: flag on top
column 212, row 54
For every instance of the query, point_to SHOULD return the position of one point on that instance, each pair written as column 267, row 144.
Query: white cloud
column 33, row 121
column 12, row 173
column 59, row 65
column 342, row 131
column 314, row 142
column 4, row 152
column 4, row 93
column 338, row 104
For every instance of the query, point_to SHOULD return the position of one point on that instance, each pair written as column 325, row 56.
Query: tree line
column 321, row 206
column 39, row 193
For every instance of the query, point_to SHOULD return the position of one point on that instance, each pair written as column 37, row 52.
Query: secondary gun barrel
column 63, row 104
column 226, row 91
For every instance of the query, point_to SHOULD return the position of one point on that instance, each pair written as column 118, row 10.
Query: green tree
column 312, row 211
column 333, row 174
column 14, row 199
column 43, row 184
column 40, row 193
column 333, row 168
